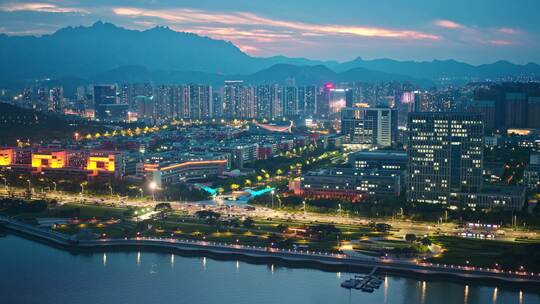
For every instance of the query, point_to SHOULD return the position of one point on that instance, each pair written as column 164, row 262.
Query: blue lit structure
column 255, row 193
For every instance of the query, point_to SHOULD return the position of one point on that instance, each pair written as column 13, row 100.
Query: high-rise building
column 231, row 97
column 56, row 100
column 309, row 100
column 489, row 114
column 104, row 99
column 290, row 102
column 445, row 152
column 533, row 112
column 238, row 100
column 163, row 99
column 146, row 110
column 369, row 126
column 516, row 109
column 322, row 109
column 200, row 102
column 264, row 99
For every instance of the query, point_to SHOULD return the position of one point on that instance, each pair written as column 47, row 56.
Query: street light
column 153, row 186
column 54, row 183
column 82, row 189
column 29, row 186
column 141, row 191
column 304, row 203
column 110, row 188
column 272, row 198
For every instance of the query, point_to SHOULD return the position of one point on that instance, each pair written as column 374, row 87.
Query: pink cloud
column 212, row 19
column 40, row 7
column 509, row 31
column 501, row 42
column 449, row 24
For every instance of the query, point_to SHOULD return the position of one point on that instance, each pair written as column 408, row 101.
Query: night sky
column 474, row 31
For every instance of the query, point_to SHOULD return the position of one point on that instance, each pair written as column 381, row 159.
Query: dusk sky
column 479, row 31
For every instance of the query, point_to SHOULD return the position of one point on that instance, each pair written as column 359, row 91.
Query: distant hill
column 104, row 52
column 443, row 68
column 23, row 124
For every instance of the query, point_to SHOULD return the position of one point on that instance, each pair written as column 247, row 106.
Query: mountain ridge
column 105, row 49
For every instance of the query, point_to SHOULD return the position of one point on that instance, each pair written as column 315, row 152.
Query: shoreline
column 287, row 258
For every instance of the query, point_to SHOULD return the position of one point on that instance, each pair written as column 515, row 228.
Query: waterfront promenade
column 265, row 253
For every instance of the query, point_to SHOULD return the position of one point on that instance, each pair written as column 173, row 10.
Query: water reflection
column 423, row 294
column 385, row 289
column 187, row 282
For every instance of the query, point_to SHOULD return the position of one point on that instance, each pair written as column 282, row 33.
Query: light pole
column 110, row 188
column 272, row 198
column 5, row 183
column 304, row 203
column 54, row 183
column 141, row 191
column 153, row 186
column 29, row 185
column 82, row 189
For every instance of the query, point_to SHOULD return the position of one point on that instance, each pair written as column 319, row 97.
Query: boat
column 351, row 283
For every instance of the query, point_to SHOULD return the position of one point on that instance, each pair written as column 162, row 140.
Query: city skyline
column 476, row 33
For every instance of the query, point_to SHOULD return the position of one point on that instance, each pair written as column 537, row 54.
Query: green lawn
column 487, row 253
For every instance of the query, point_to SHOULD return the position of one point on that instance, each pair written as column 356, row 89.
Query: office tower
column 26, row 98
column 349, row 98
column 323, row 101
column 43, row 98
column 533, row 112
column 146, row 109
column 124, row 96
column 488, row 110
column 445, row 153
column 516, row 109
column 104, row 96
column 56, row 100
column 423, row 102
column 290, row 102
column 369, row 126
column 310, row 100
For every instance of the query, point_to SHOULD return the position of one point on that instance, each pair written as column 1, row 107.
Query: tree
column 382, row 227
column 426, row 241
column 409, row 237
column 163, row 206
column 249, row 222
column 207, row 214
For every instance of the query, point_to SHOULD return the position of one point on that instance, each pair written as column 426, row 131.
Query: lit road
column 399, row 227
